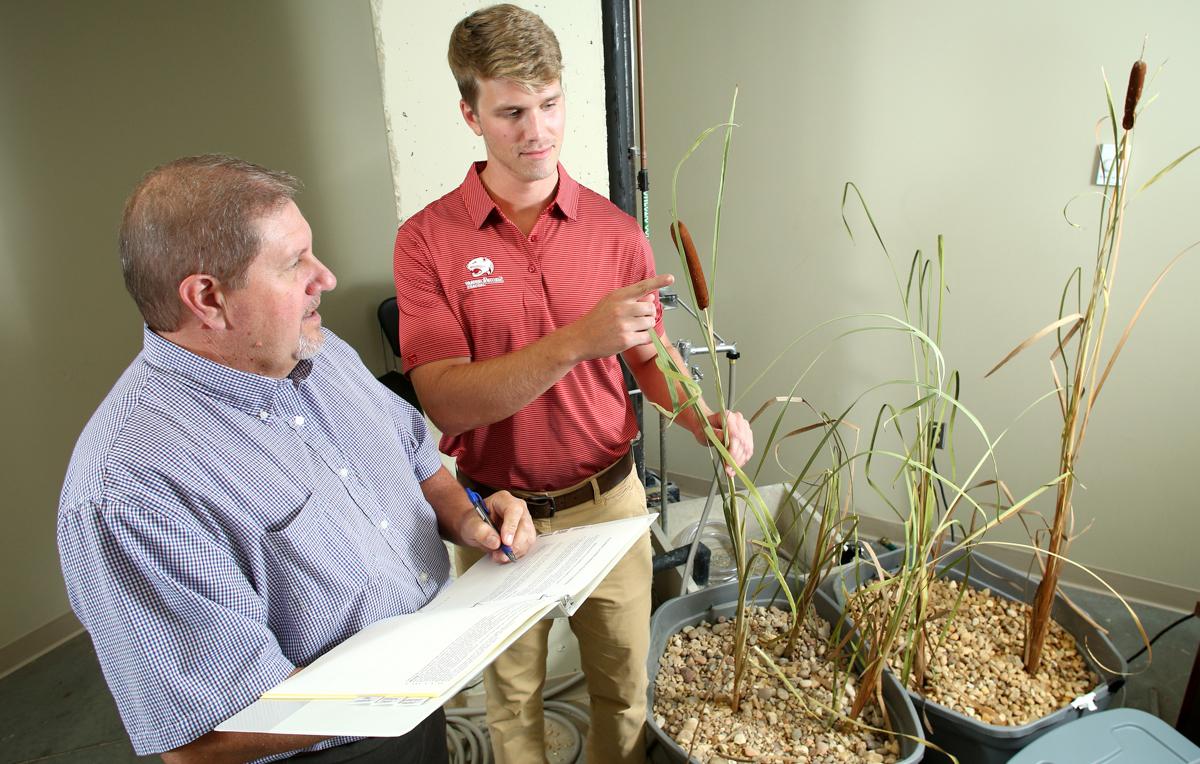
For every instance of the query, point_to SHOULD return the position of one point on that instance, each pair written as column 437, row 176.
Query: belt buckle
column 545, row 504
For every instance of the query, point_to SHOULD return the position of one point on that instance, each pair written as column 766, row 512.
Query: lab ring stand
column 686, row 352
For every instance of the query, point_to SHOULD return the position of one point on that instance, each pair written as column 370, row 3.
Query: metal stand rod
column 687, row 349
column 671, row 300
column 662, row 471
column 732, row 355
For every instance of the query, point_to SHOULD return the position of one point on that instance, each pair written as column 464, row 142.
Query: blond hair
column 503, row 42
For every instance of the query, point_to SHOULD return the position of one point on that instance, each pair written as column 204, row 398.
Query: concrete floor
column 57, row 709
column 1156, row 687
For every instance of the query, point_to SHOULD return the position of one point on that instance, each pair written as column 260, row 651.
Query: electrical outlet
column 1106, row 155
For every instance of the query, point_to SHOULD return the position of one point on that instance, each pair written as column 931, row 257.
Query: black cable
column 1178, row 621
column 942, row 490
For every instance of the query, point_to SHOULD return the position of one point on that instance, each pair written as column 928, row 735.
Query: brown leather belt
column 543, row 504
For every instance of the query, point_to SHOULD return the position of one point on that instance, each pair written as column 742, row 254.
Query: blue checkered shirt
column 218, row 529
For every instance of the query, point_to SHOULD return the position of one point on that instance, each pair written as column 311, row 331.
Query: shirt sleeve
column 180, row 632
column 429, row 329
column 418, row 440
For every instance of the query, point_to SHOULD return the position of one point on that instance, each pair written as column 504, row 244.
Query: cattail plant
column 1076, row 365
column 741, row 500
column 685, row 396
column 1133, row 93
column 891, row 612
column 695, row 271
column 932, row 407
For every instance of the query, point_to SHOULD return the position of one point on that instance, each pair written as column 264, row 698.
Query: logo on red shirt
column 481, row 268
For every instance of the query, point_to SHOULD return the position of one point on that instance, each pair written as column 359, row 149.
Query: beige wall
column 95, row 94
column 975, row 121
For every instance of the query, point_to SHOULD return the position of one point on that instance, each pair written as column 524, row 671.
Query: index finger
column 511, row 509
column 646, row 286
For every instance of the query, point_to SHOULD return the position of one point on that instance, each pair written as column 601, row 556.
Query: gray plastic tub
column 707, row 605
column 1120, row 736
column 970, row 740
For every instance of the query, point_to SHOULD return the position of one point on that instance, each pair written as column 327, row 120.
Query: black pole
column 618, row 105
column 618, row 102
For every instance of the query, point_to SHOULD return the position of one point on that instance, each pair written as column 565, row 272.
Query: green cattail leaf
column 1158, row 175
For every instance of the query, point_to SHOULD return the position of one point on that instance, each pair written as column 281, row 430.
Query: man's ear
column 470, row 117
column 204, row 297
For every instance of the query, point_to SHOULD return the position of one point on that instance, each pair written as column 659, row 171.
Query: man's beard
column 309, row 347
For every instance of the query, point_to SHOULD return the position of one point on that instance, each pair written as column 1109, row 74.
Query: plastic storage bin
column 1119, row 736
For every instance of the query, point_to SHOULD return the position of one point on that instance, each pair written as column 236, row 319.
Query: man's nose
column 324, row 281
column 535, row 125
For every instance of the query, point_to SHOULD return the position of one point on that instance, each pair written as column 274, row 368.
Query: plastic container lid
column 1119, row 736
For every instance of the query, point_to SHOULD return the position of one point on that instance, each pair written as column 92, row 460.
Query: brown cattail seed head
column 699, row 288
column 1137, row 77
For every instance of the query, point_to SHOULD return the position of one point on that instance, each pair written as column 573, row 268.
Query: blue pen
column 486, row 516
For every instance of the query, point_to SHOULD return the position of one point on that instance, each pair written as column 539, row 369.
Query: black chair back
column 394, row 380
column 389, row 322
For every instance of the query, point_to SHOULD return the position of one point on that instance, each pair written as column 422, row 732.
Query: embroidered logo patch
column 481, row 270
column 480, row 266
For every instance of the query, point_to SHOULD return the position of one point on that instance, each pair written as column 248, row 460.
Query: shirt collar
column 480, row 204
column 253, row 393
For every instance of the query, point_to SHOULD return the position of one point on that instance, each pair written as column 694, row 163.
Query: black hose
column 1178, row 621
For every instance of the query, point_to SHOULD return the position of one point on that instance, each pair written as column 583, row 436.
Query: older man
column 248, row 496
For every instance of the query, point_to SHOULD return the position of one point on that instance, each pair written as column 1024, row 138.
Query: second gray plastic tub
column 970, row 740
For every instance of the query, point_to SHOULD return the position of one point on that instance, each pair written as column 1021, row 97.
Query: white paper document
column 565, row 566
column 387, row 678
column 415, row 655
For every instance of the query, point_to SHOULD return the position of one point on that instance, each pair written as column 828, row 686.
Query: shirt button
column 532, row 269
column 343, row 473
column 297, row 421
column 423, row 578
column 533, row 238
column 264, row 415
column 383, row 525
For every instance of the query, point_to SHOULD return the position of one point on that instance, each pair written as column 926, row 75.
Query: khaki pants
column 613, row 629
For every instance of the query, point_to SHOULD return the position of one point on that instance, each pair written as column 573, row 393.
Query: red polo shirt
column 470, row 284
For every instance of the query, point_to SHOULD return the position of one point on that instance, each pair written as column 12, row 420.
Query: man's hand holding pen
column 505, row 527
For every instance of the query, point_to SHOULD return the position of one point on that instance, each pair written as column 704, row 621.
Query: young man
column 516, row 292
column 248, row 496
